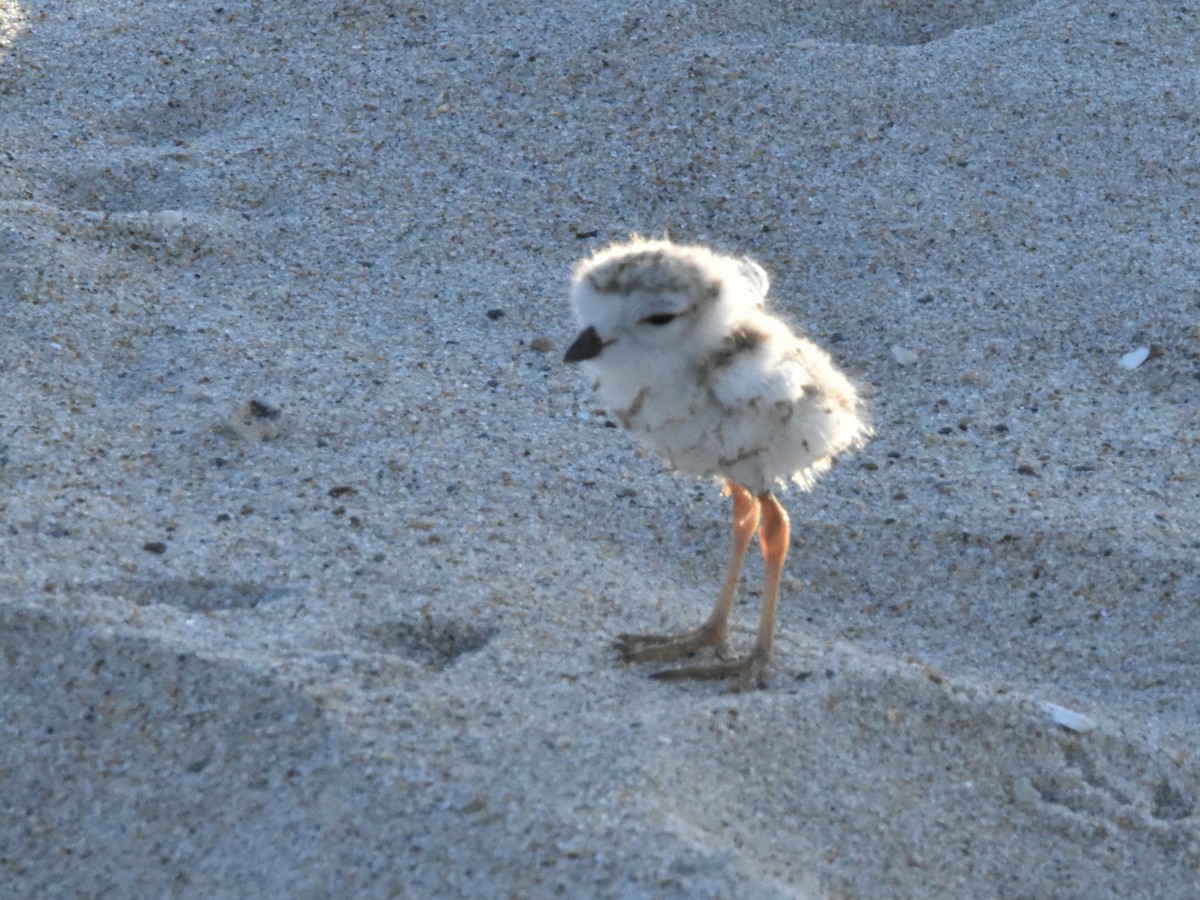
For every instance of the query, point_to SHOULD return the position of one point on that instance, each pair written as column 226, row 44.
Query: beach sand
column 312, row 550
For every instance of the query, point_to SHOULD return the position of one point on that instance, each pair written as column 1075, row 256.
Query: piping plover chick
column 685, row 355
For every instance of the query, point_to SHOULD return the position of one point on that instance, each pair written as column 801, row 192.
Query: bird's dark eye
column 658, row 319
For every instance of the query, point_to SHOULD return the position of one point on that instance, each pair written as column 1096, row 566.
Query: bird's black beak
column 586, row 346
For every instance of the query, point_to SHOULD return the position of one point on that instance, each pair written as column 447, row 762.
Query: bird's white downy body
column 685, row 355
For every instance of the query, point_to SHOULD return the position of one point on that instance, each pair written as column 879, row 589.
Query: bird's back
column 772, row 408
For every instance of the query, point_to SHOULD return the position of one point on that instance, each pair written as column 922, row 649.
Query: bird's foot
column 747, row 672
column 663, row 647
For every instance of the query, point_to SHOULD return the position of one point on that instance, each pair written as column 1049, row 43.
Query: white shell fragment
column 168, row 218
column 904, row 356
column 1068, row 718
column 1135, row 358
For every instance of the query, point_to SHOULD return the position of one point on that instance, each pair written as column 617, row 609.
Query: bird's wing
column 775, row 371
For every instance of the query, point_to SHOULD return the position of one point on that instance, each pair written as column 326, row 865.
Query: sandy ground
column 311, row 549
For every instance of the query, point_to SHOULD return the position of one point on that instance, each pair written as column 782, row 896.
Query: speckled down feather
column 687, row 358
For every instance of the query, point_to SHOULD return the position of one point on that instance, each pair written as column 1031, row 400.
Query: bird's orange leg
column 773, row 537
column 646, row 647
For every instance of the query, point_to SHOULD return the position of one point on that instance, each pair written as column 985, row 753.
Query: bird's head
column 642, row 300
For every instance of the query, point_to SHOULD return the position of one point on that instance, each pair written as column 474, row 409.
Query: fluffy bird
column 685, row 354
